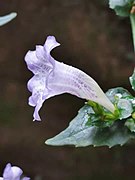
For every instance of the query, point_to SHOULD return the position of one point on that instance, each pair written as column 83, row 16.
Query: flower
column 12, row 173
column 53, row 78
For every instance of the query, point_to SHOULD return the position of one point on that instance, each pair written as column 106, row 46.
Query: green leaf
column 96, row 126
column 123, row 101
column 132, row 80
column 122, row 11
column 115, row 94
column 125, row 107
column 121, row 7
column 115, row 3
column 7, row 18
column 81, row 135
column 130, row 123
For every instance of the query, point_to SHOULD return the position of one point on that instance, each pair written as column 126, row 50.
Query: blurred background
column 93, row 39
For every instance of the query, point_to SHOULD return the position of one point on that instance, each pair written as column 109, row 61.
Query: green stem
column 132, row 20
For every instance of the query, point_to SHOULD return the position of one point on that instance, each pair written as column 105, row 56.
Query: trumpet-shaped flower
column 53, row 78
column 12, row 173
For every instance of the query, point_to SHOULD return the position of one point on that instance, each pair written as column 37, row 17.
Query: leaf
column 123, row 100
column 81, row 135
column 121, row 7
column 122, row 11
column 7, row 18
column 132, row 80
column 94, row 125
column 117, row 93
column 130, row 123
column 125, row 107
column 115, row 3
column 97, row 120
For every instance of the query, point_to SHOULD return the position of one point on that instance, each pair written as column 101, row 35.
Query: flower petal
column 37, row 86
column 68, row 79
column 13, row 173
column 35, row 62
column 53, row 78
column 17, row 172
column 8, row 174
column 50, row 44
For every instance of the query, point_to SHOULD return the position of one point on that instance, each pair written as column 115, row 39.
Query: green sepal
column 81, row 135
column 100, row 117
column 132, row 80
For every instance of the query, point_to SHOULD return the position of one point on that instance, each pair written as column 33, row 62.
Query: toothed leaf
column 80, row 134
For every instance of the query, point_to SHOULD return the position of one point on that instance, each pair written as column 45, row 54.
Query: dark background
column 93, row 39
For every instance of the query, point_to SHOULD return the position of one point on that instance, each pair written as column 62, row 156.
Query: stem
column 132, row 20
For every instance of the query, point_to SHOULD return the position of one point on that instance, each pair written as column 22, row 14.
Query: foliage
column 96, row 126
column 121, row 7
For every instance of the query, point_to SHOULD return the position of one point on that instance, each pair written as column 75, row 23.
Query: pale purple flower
column 53, row 78
column 12, row 173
